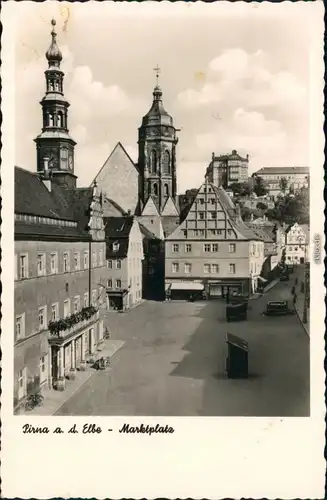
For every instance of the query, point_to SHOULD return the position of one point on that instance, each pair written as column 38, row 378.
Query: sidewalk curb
column 298, row 313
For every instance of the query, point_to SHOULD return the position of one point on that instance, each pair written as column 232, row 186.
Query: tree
column 240, row 188
column 261, row 206
column 259, row 186
column 283, row 184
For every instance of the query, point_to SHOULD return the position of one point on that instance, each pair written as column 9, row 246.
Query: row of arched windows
column 56, row 119
column 153, row 167
column 153, row 189
column 54, row 86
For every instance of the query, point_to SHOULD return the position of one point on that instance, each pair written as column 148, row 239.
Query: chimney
column 213, row 156
column 247, row 157
column 46, row 174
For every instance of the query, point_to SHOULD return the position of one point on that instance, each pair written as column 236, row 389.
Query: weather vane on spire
column 157, row 70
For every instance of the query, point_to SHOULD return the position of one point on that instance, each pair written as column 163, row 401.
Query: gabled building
column 213, row 251
column 297, row 244
column 59, row 255
column 228, row 169
column 124, row 256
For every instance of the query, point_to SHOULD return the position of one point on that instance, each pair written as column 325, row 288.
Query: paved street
column 173, row 359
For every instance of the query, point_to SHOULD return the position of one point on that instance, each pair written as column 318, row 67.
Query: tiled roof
column 117, row 231
column 25, row 230
column 33, row 198
column 169, row 224
column 80, row 200
column 148, row 234
column 283, row 170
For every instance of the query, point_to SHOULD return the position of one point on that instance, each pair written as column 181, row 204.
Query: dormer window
column 115, row 246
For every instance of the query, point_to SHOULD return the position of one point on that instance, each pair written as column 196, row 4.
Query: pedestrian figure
column 294, row 299
column 302, row 286
column 293, row 290
column 296, row 281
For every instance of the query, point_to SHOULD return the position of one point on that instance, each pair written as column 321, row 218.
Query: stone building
column 213, row 251
column 296, row 178
column 124, row 256
column 225, row 170
column 59, row 255
column 297, row 244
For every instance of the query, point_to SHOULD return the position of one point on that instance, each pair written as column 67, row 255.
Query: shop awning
column 262, row 279
column 116, row 293
column 187, row 285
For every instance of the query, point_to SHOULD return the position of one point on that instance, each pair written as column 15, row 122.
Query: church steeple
column 157, row 152
column 55, row 147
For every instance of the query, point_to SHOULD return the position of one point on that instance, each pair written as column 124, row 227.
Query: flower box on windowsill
column 64, row 326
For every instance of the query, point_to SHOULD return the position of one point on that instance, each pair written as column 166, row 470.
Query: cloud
column 242, row 78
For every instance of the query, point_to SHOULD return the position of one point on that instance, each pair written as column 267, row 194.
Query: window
column 118, row 264
column 232, row 248
column 118, row 283
column 215, row 268
column 54, row 312
column 20, row 326
column 109, row 264
column 43, row 368
column 201, row 201
column 215, row 247
column 94, row 259
column 86, row 259
column 213, row 215
column 66, row 308
column 232, row 268
column 41, row 264
column 86, row 299
column 175, row 267
column 42, row 318
column 166, row 190
column 115, row 246
column 296, row 249
column 212, row 201
column 100, row 257
column 201, row 215
column 153, row 161
column 207, row 247
column 66, row 262
column 201, row 231
column 229, row 232
column 166, row 162
column 94, row 298
column 188, row 247
column 187, row 268
column 206, row 268
column 23, row 266
column 155, row 189
column 76, row 304
column 109, row 283
column 63, row 154
column 21, row 383
column 76, row 261
column 54, row 263
column 175, row 248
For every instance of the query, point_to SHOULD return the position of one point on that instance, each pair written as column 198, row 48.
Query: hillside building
column 228, row 169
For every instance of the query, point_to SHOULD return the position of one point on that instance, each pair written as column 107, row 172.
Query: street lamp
column 301, row 239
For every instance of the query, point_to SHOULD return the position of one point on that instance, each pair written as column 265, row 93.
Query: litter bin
column 237, row 359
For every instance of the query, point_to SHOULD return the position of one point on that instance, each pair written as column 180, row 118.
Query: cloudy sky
column 234, row 76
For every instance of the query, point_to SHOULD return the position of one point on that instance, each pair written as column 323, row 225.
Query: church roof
column 169, row 224
column 157, row 114
column 53, row 53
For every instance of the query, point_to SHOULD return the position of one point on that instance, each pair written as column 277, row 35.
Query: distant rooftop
column 283, row 170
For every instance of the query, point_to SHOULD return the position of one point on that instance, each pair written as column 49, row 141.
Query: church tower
column 157, row 155
column 54, row 146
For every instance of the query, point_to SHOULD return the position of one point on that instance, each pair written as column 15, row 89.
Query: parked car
column 278, row 308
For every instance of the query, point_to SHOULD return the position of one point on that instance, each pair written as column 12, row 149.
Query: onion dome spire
column 53, row 53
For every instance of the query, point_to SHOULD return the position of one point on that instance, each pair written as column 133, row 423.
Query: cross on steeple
column 157, row 70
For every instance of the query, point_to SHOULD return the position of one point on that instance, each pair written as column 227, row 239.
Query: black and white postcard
column 162, row 250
